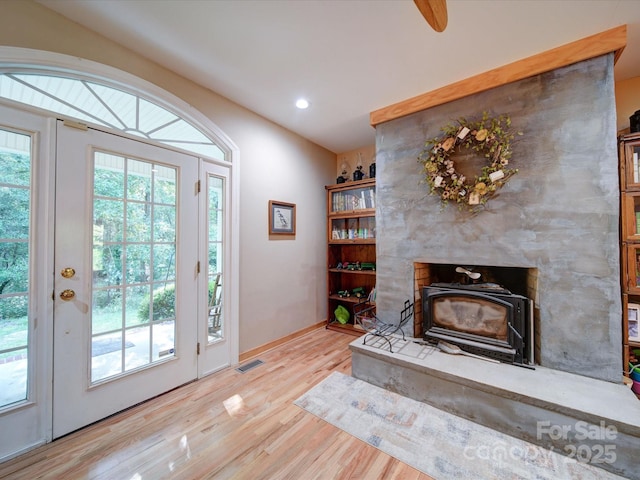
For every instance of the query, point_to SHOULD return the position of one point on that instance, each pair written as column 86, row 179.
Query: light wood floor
column 189, row 433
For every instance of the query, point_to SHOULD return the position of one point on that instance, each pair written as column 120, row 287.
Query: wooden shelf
column 613, row 40
column 351, row 184
column 354, row 241
column 346, row 328
column 345, row 299
column 353, row 272
column 361, row 212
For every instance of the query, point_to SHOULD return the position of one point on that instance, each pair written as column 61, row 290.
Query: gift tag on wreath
column 488, row 139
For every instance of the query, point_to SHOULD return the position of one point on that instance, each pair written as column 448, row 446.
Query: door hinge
column 198, row 186
column 198, row 267
column 198, row 349
column 78, row 125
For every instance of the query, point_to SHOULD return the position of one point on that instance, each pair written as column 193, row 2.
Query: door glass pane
column 133, row 305
column 636, row 261
column 215, row 205
column 636, row 216
column 15, row 216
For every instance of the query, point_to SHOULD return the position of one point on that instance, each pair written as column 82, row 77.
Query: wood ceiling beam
column 613, row 40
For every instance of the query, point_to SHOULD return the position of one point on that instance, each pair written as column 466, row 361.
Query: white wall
column 627, row 100
column 282, row 282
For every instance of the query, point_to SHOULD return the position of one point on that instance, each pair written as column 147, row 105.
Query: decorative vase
column 634, row 122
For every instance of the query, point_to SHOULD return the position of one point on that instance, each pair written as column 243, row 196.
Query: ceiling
column 347, row 57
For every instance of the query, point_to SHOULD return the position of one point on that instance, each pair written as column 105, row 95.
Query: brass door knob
column 67, row 295
column 67, row 272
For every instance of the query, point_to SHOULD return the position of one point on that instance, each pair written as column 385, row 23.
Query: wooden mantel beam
column 613, row 40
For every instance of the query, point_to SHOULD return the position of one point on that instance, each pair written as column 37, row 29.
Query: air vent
column 248, row 366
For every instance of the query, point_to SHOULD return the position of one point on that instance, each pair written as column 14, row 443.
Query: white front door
column 125, row 274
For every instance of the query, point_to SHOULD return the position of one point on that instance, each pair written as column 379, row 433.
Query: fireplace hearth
column 481, row 318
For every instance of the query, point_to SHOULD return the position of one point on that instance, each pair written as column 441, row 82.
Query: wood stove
column 481, row 318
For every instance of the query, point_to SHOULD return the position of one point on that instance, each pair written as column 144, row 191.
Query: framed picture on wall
column 282, row 218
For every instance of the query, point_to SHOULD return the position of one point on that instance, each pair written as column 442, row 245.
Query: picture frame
column 282, row 218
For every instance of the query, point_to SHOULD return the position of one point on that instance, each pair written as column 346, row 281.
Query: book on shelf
column 359, row 199
column 372, row 295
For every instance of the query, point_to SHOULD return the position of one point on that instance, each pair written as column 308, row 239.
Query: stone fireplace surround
column 558, row 216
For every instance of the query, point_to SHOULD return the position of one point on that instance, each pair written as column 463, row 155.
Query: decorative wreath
column 489, row 137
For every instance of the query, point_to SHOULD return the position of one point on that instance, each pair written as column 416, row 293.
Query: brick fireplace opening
column 518, row 280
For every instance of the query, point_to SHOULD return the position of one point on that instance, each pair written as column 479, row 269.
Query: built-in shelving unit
column 629, row 155
column 351, row 249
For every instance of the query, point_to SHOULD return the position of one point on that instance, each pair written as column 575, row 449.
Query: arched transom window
column 108, row 106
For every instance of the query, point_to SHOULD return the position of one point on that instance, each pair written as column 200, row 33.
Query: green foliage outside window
column 14, row 229
column 164, row 304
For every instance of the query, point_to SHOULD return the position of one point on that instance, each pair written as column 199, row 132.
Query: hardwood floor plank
column 229, row 425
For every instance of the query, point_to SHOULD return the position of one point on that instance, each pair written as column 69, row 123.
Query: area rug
column 435, row 442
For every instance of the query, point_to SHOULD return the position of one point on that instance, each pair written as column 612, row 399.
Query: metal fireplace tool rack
column 365, row 316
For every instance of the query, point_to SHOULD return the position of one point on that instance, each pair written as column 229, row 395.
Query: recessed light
column 301, row 103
